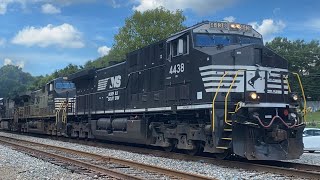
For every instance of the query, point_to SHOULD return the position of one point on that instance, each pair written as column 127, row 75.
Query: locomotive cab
column 61, row 88
column 61, row 92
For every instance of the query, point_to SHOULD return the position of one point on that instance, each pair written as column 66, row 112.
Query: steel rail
column 157, row 169
column 78, row 163
column 277, row 167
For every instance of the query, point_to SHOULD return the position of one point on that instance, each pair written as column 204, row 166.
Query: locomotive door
column 177, row 79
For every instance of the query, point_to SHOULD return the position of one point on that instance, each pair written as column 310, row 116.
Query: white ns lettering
column 115, row 82
column 110, row 83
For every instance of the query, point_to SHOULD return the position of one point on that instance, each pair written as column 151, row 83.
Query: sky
column 41, row 36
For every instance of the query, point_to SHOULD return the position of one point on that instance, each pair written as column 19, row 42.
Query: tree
column 304, row 58
column 13, row 81
column 141, row 29
column 40, row 81
column 144, row 28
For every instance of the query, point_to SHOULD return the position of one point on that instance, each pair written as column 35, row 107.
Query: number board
column 230, row 26
column 219, row 25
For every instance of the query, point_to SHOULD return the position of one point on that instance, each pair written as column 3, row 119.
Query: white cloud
column 8, row 61
column 199, row 6
column 65, row 36
column 114, row 4
column 268, row 28
column 23, row 3
column 20, row 64
column 50, row 9
column 4, row 5
column 103, row 50
column 229, row 19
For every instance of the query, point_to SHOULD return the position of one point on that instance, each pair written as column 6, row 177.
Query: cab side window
column 174, row 47
column 179, row 46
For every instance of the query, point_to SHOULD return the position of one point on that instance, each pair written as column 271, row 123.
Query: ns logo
column 110, row 83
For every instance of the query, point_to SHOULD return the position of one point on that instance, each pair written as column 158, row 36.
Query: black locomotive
column 213, row 87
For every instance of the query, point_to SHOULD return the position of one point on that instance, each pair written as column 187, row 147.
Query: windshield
column 64, row 85
column 208, row 40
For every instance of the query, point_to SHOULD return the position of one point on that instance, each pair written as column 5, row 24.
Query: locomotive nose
column 263, row 56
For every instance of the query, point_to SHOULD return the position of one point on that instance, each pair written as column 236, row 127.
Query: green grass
column 313, row 119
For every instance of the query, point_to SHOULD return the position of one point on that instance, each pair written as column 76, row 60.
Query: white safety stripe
column 278, row 86
column 264, row 105
column 277, row 91
column 126, row 111
column 270, row 81
column 221, row 90
column 230, row 72
column 159, row 109
column 187, row 107
column 223, row 85
column 200, row 106
column 136, row 110
column 219, row 78
column 59, row 101
column 236, row 67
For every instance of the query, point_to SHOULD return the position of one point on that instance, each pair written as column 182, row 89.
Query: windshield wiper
column 209, row 35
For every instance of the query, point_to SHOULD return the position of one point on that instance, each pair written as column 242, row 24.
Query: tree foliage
column 13, row 81
column 144, row 28
column 141, row 29
column 40, row 81
column 100, row 62
column 304, row 58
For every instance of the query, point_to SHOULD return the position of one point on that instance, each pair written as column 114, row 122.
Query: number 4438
column 176, row 69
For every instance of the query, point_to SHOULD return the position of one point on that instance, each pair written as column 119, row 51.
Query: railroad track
column 104, row 166
column 290, row 169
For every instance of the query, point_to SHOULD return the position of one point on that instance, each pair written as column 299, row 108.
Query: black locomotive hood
column 251, row 54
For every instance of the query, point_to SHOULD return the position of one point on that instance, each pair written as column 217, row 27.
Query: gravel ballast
column 16, row 165
column 201, row 168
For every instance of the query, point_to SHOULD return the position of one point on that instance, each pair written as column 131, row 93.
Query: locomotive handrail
column 303, row 96
column 58, row 112
column 226, row 98
column 214, row 99
column 64, row 113
column 288, row 84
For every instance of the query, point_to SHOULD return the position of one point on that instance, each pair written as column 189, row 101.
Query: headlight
column 294, row 97
column 253, row 96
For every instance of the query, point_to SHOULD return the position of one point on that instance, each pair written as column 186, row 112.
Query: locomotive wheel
column 170, row 148
column 197, row 150
column 225, row 155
